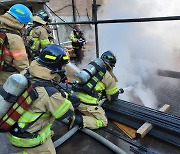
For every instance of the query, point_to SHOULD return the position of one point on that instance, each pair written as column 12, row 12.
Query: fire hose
column 96, row 136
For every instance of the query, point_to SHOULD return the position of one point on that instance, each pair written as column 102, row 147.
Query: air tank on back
column 9, row 92
column 84, row 75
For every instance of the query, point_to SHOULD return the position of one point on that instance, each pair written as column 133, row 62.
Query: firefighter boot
column 76, row 120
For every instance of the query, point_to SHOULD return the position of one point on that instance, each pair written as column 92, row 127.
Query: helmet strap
column 61, row 72
column 109, row 68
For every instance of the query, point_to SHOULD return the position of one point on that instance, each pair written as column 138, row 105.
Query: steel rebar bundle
column 166, row 126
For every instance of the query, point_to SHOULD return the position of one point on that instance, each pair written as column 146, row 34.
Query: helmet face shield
column 66, row 59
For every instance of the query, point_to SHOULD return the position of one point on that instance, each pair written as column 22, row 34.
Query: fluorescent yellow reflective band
column 19, row 11
column 24, row 152
column 31, row 142
column 73, row 37
column 31, row 32
column 29, row 117
column 65, row 57
column 18, row 108
column 8, row 120
column 99, row 86
column 45, row 42
column 62, row 109
column 87, row 98
column 50, row 57
column 112, row 90
column 35, row 44
column 95, row 78
column 99, row 123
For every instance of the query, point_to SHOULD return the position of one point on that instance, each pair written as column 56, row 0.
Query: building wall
column 64, row 7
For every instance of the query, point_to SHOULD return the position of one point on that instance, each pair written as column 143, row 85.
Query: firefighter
column 92, row 115
column 78, row 41
column 13, row 51
column 39, row 33
column 33, row 131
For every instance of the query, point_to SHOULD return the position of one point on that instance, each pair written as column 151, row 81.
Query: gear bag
column 15, row 104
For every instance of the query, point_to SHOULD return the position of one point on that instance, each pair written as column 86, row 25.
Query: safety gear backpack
column 21, row 13
column 91, row 75
column 16, row 95
column 109, row 58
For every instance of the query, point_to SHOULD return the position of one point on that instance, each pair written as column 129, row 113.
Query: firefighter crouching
column 38, row 35
column 13, row 57
column 33, row 131
column 101, row 85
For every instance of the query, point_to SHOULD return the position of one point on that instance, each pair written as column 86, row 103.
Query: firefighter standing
column 13, row 57
column 93, row 116
column 38, row 36
column 33, row 130
column 78, row 40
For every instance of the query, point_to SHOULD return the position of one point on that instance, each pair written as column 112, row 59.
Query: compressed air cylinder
column 14, row 85
column 84, row 75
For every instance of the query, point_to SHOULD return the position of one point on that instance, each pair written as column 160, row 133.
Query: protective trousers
column 93, row 116
column 46, row 148
column 78, row 52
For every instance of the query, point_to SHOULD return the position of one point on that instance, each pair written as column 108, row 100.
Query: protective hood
column 110, row 69
column 37, row 70
column 8, row 21
column 39, row 20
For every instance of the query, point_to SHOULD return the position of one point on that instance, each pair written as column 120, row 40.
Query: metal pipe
column 74, row 12
column 104, row 141
column 96, row 27
column 66, row 136
column 169, row 18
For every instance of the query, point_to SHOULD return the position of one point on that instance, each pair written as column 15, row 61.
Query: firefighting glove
column 121, row 90
column 75, row 120
column 74, row 100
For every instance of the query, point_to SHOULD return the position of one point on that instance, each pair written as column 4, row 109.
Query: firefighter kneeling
column 96, row 83
column 33, row 131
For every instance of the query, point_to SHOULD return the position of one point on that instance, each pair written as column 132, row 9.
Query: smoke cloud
column 141, row 48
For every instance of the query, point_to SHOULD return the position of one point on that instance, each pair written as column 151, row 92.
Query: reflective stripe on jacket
column 31, row 142
column 50, row 105
column 15, row 52
column 39, row 35
column 108, row 84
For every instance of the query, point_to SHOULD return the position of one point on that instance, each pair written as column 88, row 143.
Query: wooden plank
column 130, row 132
column 146, row 127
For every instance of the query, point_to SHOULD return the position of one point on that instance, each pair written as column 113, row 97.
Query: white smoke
column 140, row 48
